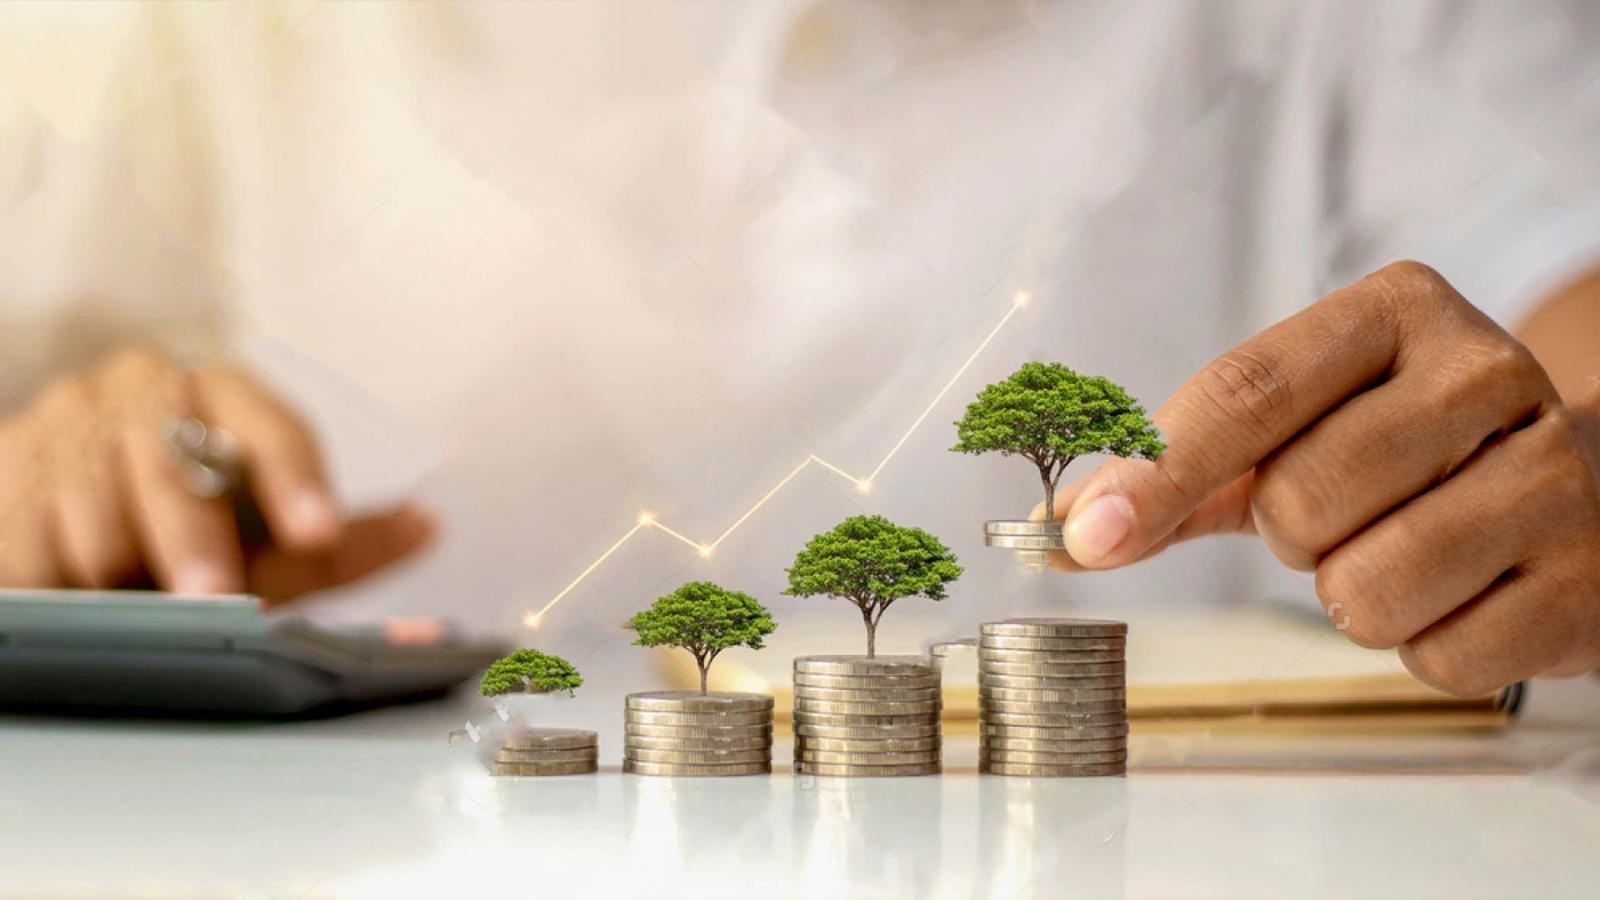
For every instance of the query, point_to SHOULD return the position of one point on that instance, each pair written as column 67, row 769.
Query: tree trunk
column 1049, row 495
column 704, row 668
column 872, row 632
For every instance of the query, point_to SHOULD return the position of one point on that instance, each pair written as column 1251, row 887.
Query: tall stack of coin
column 548, row 751
column 866, row 716
column 688, row 733
column 1052, row 697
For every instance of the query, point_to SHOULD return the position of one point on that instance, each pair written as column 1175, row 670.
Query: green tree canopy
column 1050, row 415
column 872, row 562
column 705, row 620
column 531, row 671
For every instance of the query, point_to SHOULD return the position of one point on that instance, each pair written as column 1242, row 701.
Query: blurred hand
column 1397, row 442
column 91, row 497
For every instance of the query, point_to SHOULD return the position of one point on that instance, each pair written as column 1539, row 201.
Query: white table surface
column 380, row 804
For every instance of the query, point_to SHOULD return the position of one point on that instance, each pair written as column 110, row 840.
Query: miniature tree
column 705, row 620
column 872, row 562
column 531, row 671
column 1050, row 415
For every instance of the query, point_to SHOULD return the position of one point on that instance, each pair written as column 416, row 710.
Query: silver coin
column 832, row 769
column 863, row 722
column 909, row 758
column 1026, row 542
column 1054, row 695
column 1052, row 682
column 1021, row 527
column 695, row 702
column 697, row 757
column 552, row 739
column 682, row 743
column 646, row 717
column 858, row 695
column 1051, row 759
column 1061, row 648
column 1056, row 628
column 870, row 682
column 865, row 708
column 911, row 731
column 992, row 731
column 682, row 770
column 1043, row 708
column 1035, row 720
column 1004, row 665
column 545, row 769
column 1032, row 770
column 885, row 745
column 865, row 665
column 700, row 732
column 535, row 756
column 1117, row 645
column 990, row 742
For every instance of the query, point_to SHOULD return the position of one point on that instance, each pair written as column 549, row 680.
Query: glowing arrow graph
column 863, row 483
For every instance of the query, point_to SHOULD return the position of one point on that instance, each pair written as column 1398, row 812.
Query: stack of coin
column 1024, row 535
column 1052, row 697
column 548, row 751
column 688, row 733
column 865, row 716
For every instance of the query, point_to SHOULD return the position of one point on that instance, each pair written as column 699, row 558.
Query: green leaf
column 531, row 671
column 1050, row 415
column 873, row 562
column 703, row 618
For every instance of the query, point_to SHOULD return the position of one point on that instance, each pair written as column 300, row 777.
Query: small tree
column 1050, row 415
column 705, row 620
column 530, row 671
column 872, row 562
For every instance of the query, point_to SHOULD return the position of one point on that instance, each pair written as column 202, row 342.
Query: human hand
column 1397, row 442
column 90, row 496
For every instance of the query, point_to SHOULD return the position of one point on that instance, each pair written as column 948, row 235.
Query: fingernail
column 1099, row 528
column 313, row 516
column 202, row 578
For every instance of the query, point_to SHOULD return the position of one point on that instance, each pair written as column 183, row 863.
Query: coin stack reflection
column 1052, row 697
column 683, row 733
column 866, row 716
column 549, row 751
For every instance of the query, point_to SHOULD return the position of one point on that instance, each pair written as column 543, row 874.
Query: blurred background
column 546, row 266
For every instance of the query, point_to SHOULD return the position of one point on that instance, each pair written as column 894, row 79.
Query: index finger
column 1241, row 407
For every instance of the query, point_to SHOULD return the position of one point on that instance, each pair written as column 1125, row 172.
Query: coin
column 1051, row 759
column 681, row 743
column 869, row 682
column 991, row 731
column 1053, row 695
column 692, row 701
column 697, row 757
column 639, row 767
column 833, row 769
column 1020, row 526
column 1081, row 720
column 1026, row 542
column 885, row 745
column 864, row 723
column 1061, row 649
column 1073, row 644
column 551, row 768
column 865, row 708
column 1042, row 708
column 1056, row 628
column 645, row 717
column 700, row 732
column 1003, row 665
column 865, row 665
column 579, row 755
column 908, row 758
column 1048, row 771
column 552, row 739
column 914, row 729
column 857, row 695
column 1031, row 745
column 1051, row 683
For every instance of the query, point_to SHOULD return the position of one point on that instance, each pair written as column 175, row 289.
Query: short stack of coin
column 685, row 733
column 549, row 751
column 866, row 716
column 1013, row 535
column 1052, row 697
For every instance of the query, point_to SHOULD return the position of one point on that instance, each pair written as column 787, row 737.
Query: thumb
column 1098, row 517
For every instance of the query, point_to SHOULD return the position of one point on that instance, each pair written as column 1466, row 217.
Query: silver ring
column 207, row 456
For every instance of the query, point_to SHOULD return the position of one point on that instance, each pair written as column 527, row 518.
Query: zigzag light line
column 862, row 483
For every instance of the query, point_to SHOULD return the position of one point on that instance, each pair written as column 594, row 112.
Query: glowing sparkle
column 863, row 483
